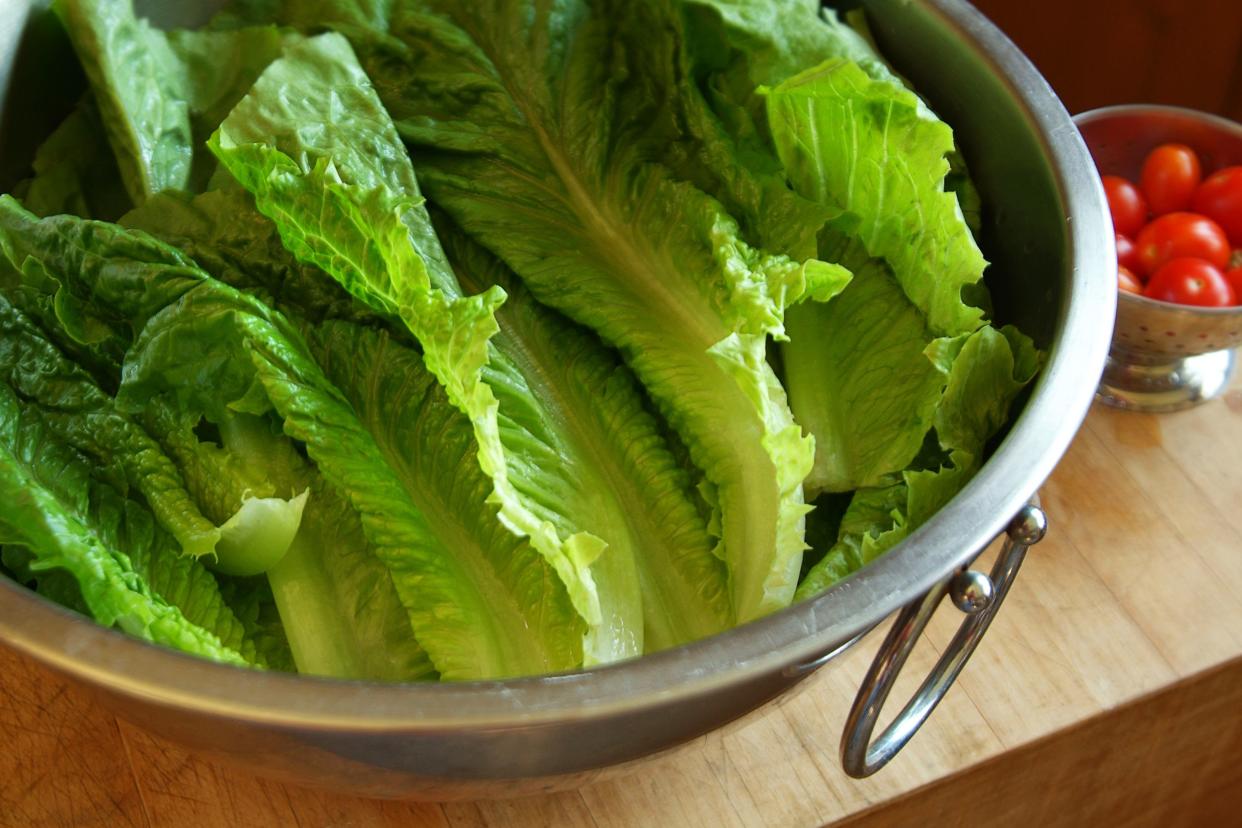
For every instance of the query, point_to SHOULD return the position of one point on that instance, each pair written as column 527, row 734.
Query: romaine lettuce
column 523, row 131
column 577, row 464
column 479, row 599
column 534, row 422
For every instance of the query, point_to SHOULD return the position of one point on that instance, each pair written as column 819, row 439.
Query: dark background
column 1100, row 52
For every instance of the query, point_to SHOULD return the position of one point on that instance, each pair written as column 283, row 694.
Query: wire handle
column 977, row 595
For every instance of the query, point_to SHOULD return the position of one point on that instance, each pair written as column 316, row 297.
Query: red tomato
column 1170, row 175
column 1127, row 254
column 1219, row 198
column 1182, row 235
column 1126, row 204
column 1190, row 282
column 1234, row 277
column 1128, row 281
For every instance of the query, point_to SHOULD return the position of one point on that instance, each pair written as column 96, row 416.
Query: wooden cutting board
column 1107, row 692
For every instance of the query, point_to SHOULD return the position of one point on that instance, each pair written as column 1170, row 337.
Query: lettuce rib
column 572, row 406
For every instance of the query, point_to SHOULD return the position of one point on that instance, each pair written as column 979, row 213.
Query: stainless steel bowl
column 1164, row 357
column 1046, row 231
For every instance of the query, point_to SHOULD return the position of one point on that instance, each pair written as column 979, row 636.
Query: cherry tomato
column 1180, row 235
column 1190, row 282
column 1128, row 281
column 1234, row 277
column 1126, row 204
column 1219, row 198
column 1170, row 175
column 1127, row 254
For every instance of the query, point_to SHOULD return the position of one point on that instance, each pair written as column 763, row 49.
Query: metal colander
column 1164, row 357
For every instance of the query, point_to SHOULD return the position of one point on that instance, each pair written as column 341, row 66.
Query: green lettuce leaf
column 84, row 417
column 747, row 44
column 160, row 94
column 128, row 275
column 87, row 418
column 572, row 407
column 67, row 521
column 874, row 523
column 479, row 600
column 858, row 360
column 379, row 244
column 344, row 614
column 864, row 358
column 430, row 447
column 868, row 389
column 140, row 89
column 226, row 236
column 523, row 133
column 56, row 585
column 125, row 458
column 218, row 68
column 986, row 371
column 891, row 176
column 990, row 368
column 345, row 619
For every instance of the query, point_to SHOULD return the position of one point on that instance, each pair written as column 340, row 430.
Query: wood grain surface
column 1108, row 691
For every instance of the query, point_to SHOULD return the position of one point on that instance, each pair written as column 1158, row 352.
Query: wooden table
column 1108, row 692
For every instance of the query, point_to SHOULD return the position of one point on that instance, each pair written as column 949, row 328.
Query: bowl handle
column 977, row 595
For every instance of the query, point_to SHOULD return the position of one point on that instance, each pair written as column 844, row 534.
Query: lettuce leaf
column 88, row 419
column 158, row 94
column 84, row 417
column 128, row 573
column 986, row 371
column 868, row 389
column 480, row 601
column 344, row 616
column 430, row 447
column 868, row 372
column 379, row 244
column 227, row 237
column 140, row 90
column 341, row 609
column 891, row 176
column 574, row 408
column 523, row 133
column 560, row 422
